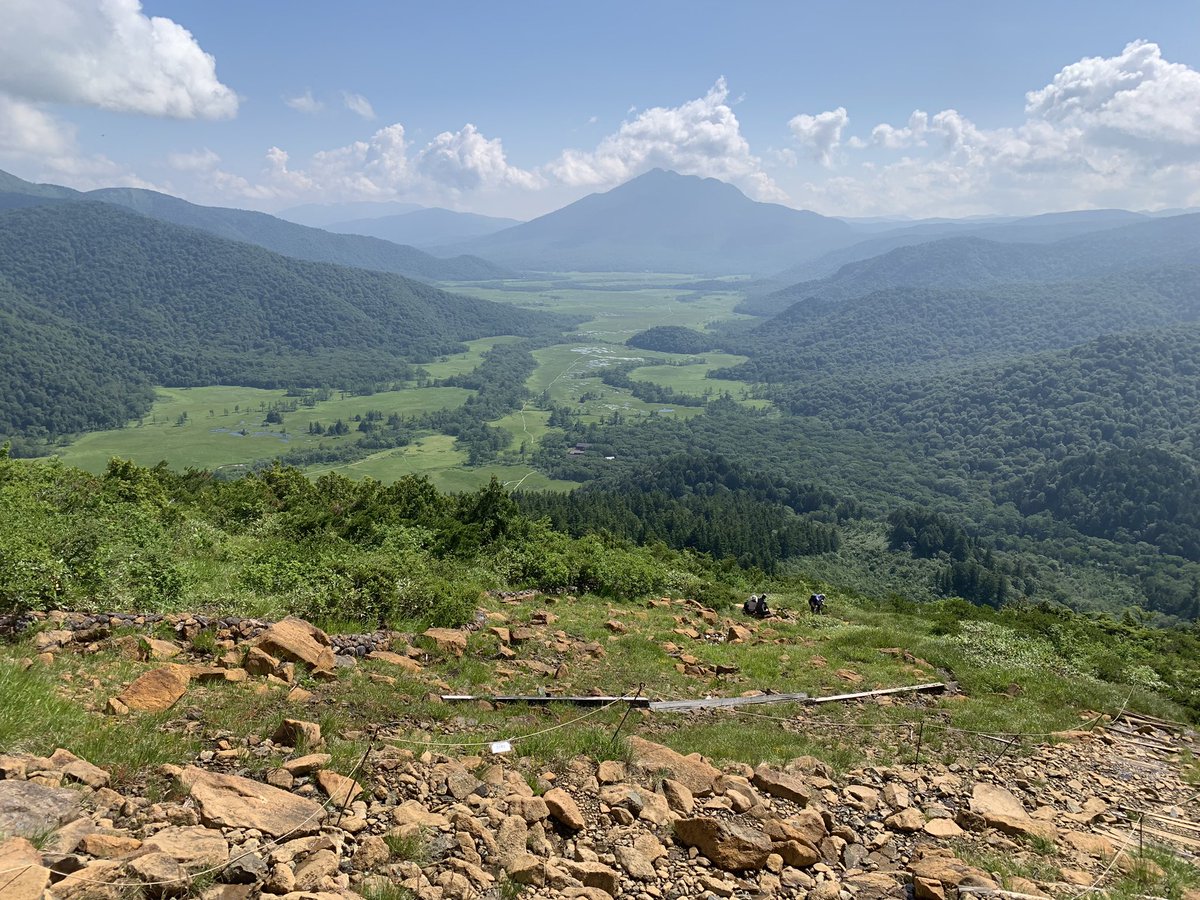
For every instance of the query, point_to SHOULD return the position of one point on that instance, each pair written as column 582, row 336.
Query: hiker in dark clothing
column 756, row 606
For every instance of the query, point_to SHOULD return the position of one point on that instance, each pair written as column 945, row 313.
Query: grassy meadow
column 223, row 426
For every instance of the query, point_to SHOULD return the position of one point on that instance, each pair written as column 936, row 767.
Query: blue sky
column 517, row 108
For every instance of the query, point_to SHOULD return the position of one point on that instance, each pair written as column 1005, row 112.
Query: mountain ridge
column 266, row 231
column 666, row 222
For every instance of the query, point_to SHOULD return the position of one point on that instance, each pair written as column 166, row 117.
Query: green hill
column 100, row 299
column 299, row 242
column 915, row 327
column 260, row 229
column 976, row 263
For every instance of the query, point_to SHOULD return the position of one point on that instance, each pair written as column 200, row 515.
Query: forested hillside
column 906, row 327
column 300, row 242
column 1042, row 229
column 975, row 263
column 260, row 229
column 119, row 301
column 703, row 502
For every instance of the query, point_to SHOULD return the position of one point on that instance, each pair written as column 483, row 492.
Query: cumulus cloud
column 26, row 130
column 1136, row 96
column 358, row 104
column 699, row 137
column 45, row 149
column 387, row 165
column 821, row 134
column 110, row 55
column 465, row 160
column 305, row 103
column 1105, row 131
column 911, row 135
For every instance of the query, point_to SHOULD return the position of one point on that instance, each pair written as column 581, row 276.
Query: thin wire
column 512, row 740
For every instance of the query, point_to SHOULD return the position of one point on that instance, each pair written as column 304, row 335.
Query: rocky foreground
column 266, row 815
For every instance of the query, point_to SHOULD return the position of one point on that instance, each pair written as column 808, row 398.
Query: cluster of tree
column 138, row 538
column 499, row 385
column 702, row 502
column 672, row 339
column 646, row 391
column 1139, row 493
column 97, row 304
column 971, row 572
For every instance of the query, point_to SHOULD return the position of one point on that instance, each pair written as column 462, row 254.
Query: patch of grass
column 1040, row 845
column 205, row 641
column 408, row 847
column 507, row 889
column 1189, row 766
column 1007, row 865
column 30, row 699
column 378, row 889
column 1156, row 873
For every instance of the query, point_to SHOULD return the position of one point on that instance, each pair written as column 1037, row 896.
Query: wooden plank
column 1135, row 814
column 933, row 687
column 717, row 702
column 1165, row 724
column 1168, row 835
column 1141, row 742
column 544, row 700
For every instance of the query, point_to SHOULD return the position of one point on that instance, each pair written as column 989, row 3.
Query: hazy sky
column 515, row 108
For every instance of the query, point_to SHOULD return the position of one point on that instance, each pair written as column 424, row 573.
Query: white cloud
column 1106, row 131
column 44, row 148
column 699, row 137
column 912, row 135
column 1135, row 97
column 305, row 103
column 465, row 160
column 358, row 104
column 109, row 55
column 26, row 130
column 821, row 134
column 196, row 161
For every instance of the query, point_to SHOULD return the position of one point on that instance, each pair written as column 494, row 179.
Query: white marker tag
column 501, row 747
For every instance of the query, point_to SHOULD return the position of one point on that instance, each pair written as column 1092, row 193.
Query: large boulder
column 449, row 641
column 157, row 689
column 693, row 772
column 728, row 846
column 999, row 809
column 192, row 846
column 782, row 785
column 22, row 875
column 228, row 801
column 946, row 871
column 299, row 641
column 72, row 768
column 28, row 808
